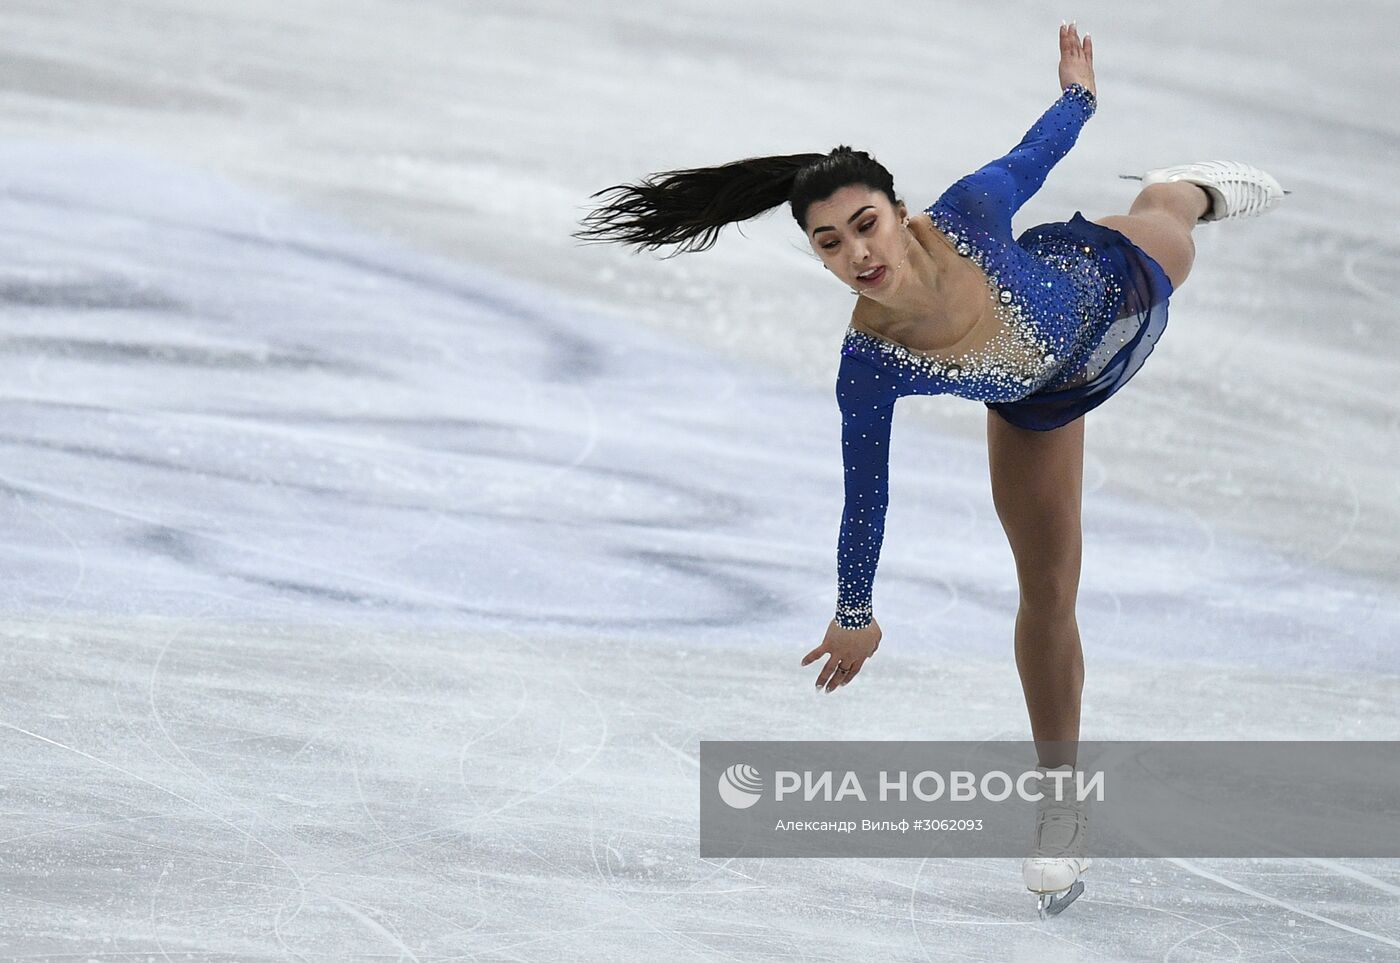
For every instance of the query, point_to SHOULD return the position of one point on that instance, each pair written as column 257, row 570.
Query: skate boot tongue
column 1059, row 832
column 1060, row 823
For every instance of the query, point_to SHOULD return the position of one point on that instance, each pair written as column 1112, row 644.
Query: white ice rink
column 376, row 557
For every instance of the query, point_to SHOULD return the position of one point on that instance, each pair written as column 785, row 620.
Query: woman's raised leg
column 1160, row 222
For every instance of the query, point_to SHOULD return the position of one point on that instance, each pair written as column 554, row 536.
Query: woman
column 1041, row 329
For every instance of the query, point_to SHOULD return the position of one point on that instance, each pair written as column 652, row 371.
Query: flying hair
column 688, row 208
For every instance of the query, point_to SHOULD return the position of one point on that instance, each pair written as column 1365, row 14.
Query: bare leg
column 1037, row 481
column 1160, row 222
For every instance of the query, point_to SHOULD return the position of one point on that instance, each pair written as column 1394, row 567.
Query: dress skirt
column 1122, row 314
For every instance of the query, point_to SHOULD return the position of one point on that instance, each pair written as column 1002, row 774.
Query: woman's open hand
column 846, row 651
column 1076, row 59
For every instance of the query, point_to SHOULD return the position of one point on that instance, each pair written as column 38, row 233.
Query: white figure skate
column 1236, row 189
column 1052, row 872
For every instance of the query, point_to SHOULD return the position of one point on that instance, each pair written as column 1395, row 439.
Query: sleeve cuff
column 1081, row 94
column 854, row 616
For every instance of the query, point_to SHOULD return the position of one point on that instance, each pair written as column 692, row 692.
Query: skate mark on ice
column 240, row 831
column 1204, row 873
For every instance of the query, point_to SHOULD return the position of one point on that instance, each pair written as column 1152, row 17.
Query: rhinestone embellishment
column 1017, row 357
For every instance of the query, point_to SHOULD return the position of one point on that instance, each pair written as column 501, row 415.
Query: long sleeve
column 866, row 398
column 992, row 194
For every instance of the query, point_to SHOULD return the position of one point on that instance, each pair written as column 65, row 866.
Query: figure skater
column 1041, row 329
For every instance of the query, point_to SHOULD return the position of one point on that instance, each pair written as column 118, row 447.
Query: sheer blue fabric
column 1081, row 305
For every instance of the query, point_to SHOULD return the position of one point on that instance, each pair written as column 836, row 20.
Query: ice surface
column 376, row 558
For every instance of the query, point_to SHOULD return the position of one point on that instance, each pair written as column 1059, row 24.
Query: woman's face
column 859, row 236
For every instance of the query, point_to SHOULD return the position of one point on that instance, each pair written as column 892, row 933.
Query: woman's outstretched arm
column 866, row 397
column 997, row 190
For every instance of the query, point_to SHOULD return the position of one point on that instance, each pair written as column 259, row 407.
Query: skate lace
column 1244, row 194
column 1245, row 198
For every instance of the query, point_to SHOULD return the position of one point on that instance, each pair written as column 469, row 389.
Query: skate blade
column 1051, row 904
column 1138, row 177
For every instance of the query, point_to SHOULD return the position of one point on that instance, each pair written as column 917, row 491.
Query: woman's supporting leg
column 1037, row 481
column 1160, row 222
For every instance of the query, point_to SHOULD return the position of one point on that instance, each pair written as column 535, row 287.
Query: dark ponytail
column 689, row 207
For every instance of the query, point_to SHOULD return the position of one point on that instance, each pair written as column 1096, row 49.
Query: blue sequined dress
column 1081, row 308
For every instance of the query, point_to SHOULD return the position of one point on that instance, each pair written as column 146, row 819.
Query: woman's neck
column 912, row 277
column 931, row 295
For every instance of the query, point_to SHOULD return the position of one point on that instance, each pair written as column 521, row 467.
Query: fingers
column 855, row 671
column 832, row 674
column 837, row 673
column 1071, row 44
column 814, row 654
